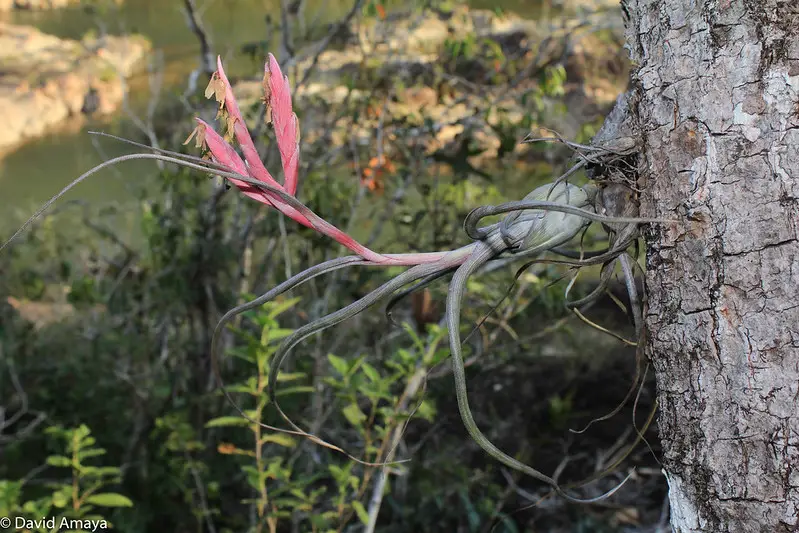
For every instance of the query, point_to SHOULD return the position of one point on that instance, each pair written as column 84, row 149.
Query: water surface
column 32, row 173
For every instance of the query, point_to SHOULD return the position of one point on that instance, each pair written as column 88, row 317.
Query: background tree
column 715, row 98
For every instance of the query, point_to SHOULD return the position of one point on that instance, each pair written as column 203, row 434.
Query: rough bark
column 717, row 104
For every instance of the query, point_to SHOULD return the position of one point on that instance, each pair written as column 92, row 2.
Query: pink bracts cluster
column 277, row 97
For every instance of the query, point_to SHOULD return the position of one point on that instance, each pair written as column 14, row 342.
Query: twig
column 207, row 63
column 414, row 383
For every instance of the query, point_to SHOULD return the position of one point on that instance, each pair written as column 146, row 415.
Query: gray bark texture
column 716, row 102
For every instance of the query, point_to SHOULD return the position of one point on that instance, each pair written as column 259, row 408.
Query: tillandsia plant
column 548, row 217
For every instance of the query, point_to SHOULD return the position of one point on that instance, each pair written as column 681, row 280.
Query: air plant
column 548, row 217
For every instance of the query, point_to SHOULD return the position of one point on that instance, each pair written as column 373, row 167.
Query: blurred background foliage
column 108, row 406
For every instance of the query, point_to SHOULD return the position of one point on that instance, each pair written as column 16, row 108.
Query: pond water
column 32, row 173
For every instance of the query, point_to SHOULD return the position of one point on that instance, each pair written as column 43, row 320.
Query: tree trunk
column 716, row 96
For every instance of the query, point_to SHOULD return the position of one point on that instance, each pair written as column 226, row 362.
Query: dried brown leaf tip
column 191, row 136
column 198, row 134
column 230, row 124
column 216, row 89
column 226, row 448
column 267, row 97
column 267, row 88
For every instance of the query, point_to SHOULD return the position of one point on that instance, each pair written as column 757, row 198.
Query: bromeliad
column 546, row 219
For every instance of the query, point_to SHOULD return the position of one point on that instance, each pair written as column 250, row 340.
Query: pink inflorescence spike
column 277, row 97
column 287, row 129
column 246, row 143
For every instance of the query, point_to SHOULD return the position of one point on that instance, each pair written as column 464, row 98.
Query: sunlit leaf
column 246, row 389
column 339, row 364
column 426, row 410
column 92, row 452
column 363, row 516
column 275, row 334
column 277, row 308
column 60, row 499
column 58, row 460
column 294, row 390
column 354, row 415
column 290, row 376
column 109, row 499
column 370, row 372
column 279, row 438
column 224, row 421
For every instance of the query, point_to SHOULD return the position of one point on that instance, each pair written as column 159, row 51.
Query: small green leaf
column 58, row 460
column 354, row 482
column 294, row 390
column 339, row 364
column 224, row 421
column 244, row 388
column 279, row 438
column 426, row 410
column 251, row 414
column 356, row 364
column 274, row 334
column 252, row 476
column 374, row 394
column 354, row 415
column 370, row 372
column 60, row 499
column 110, row 499
column 361, row 512
column 92, row 452
column 417, row 341
column 279, row 307
column 242, row 353
column 108, row 470
column 290, row 376
column 341, row 474
column 82, row 431
column 299, row 494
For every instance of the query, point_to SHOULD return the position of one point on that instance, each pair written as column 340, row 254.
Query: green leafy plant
column 71, row 504
column 182, row 452
column 374, row 401
column 276, row 492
